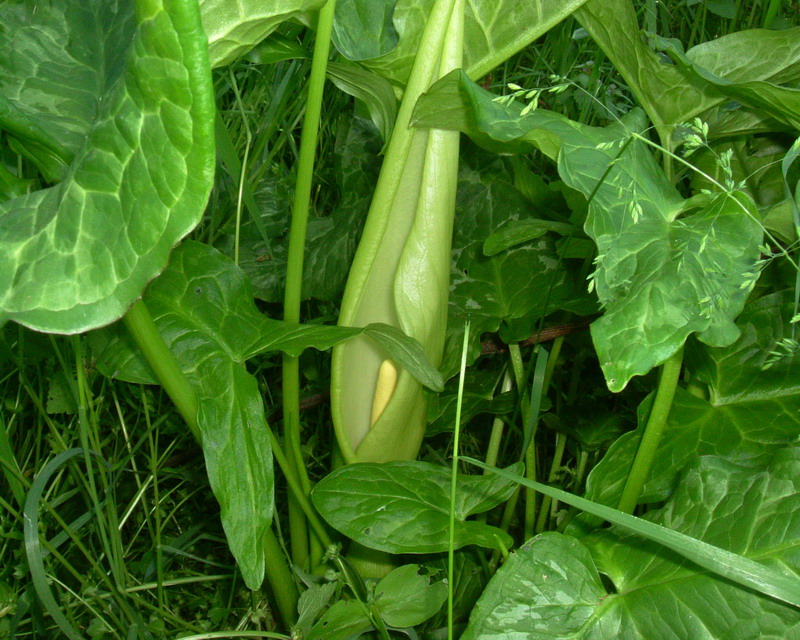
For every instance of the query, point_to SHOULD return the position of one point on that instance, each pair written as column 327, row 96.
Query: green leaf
column 511, row 291
column 745, row 371
column 666, row 267
column 469, row 582
column 406, row 352
column 455, row 102
column 406, row 598
column 480, row 395
column 661, row 89
column 203, row 309
column 760, row 496
column 494, row 30
column 217, row 301
column 311, row 603
column 371, row 89
column 551, row 588
column 277, row 48
column 548, row 588
column 736, row 56
column 782, row 103
column 236, row 26
column 363, row 29
column 663, row 277
column 751, row 413
column 203, row 306
column 56, row 62
column 403, row 507
column 345, row 619
column 525, row 283
column 293, row 339
column 79, row 253
column 754, row 164
column 748, row 510
column 520, row 231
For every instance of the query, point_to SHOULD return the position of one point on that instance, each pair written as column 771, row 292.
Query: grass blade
column 730, row 565
column 32, row 547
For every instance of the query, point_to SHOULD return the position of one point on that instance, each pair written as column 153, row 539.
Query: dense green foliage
column 571, row 229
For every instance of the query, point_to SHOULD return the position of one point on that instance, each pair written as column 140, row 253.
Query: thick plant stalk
column 141, row 326
column 670, row 373
column 400, row 275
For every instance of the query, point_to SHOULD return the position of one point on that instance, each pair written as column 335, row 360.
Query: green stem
column 454, row 484
column 583, row 459
column 281, row 580
column 296, row 490
column 173, row 380
column 544, row 512
column 493, row 450
column 552, row 361
column 538, row 391
column 670, row 373
column 505, row 524
column 9, row 465
column 530, row 494
column 294, row 271
column 162, row 362
column 518, row 367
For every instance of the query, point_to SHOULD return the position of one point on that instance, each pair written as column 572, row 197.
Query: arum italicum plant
column 400, row 274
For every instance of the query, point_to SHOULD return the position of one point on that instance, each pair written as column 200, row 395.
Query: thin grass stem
column 454, row 485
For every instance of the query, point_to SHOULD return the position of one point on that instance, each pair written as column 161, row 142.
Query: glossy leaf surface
column 203, row 307
column 551, row 587
column 548, row 588
column 661, row 90
column 520, row 232
column 363, row 29
column 375, row 92
column 751, row 413
column 236, row 26
column 666, row 267
column 403, row 507
column 781, row 103
column 345, row 619
column 55, row 69
column 494, row 30
column 405, row 597
column 139, row 143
